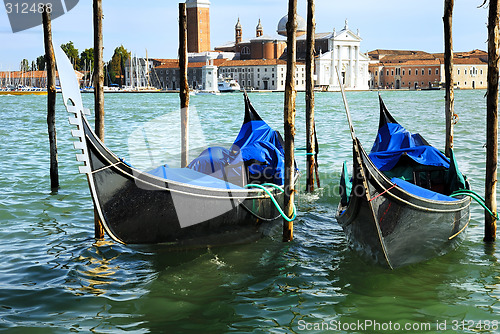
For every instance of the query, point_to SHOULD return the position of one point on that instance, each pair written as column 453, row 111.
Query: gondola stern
column 250, row 112
column 385, row 115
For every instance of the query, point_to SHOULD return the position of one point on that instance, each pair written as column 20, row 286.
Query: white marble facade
column 344, row 53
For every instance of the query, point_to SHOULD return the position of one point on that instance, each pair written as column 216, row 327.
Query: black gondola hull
column 392, row 226
column 136, row 207
column 187, row 209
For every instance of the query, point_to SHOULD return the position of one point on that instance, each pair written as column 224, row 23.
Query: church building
column 338, row 50
column 332, row 50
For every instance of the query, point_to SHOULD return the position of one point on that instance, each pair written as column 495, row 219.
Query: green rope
column 475, row 196
column 261, row 186
column 299, row 154
column 303, row 149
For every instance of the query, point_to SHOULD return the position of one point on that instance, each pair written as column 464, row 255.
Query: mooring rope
column 262, row 186
column 478, row 198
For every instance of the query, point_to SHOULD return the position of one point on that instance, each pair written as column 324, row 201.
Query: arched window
column 245, row 50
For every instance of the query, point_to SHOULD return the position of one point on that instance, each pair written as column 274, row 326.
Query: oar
column 346, row 106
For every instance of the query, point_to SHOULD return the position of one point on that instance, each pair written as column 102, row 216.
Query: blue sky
column 153, row 25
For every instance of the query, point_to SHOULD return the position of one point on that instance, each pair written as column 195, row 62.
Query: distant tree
column 72, row 54
column 33, row 66
column 87, row 59
column 25, row 65
column 116, row 65
column 40, row 63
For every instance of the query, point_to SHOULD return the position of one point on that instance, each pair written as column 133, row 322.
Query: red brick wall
column 409, row 75
column 198, row 25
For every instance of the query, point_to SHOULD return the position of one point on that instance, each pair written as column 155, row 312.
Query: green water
column 55, row 278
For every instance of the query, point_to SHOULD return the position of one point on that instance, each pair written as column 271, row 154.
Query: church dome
column 301, row 25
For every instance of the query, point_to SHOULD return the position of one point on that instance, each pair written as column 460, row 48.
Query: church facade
column 342, row 51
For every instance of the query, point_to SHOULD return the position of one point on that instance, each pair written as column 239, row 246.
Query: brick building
column 401, row 69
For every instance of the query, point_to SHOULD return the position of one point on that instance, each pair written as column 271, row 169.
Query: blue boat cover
column 192, row 177
column 421, row 192
column 257, row 145
column 393, row 140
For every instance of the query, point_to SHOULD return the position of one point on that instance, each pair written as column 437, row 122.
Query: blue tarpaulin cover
column 257, row 147
column 256, row 143
column 393, row 140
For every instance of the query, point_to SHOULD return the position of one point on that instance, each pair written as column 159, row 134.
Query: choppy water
column 55, row 278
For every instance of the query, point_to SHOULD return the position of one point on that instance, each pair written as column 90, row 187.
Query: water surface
column 55, row 278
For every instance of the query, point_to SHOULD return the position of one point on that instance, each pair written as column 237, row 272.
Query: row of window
column 398, row 71
column 422, row 83
column 244, row 69
column 473, row 71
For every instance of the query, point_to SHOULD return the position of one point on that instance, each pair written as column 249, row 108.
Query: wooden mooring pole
column 492, row 120
column 289, row 118
column 98, row 93
column 184, row 87
column 448, row 72
column 311, row 148
column 51, row 98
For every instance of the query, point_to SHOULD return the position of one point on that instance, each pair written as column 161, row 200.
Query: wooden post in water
column 184, row 87
column 289, row 118
column 448, row 72
column 310, row 129
column 492, row 121
column 98, row 92
column 51, row 98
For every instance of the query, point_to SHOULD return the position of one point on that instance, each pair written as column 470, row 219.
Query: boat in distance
column 399, row 207
column 224, row 196
column 228, row 85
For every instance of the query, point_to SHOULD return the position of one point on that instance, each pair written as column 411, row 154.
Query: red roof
column 174, row 63
column 31, row 74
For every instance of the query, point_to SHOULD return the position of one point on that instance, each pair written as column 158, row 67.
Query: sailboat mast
column 147, row 69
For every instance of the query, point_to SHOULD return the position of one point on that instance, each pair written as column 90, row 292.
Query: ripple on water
column 54, row 276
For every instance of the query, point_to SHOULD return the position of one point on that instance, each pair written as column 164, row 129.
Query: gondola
column 210, row 202
column 396, row 210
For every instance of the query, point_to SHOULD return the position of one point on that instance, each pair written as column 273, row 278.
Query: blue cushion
column 192, row 177
column 421, row 192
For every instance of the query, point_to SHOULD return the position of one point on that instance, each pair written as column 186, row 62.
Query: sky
column 152, row 25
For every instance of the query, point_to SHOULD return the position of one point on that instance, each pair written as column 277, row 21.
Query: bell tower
column 259, row 31
column 237, row 32
column 198, row 25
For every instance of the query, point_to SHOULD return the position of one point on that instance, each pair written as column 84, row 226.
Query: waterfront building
column 252, row 74
column 399, row 69
column 38, row 79
column 262, row 74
